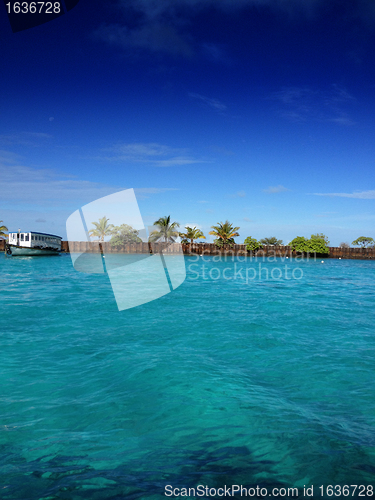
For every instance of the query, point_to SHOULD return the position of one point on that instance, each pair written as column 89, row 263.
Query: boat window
column 26, row 237
column 22, row 237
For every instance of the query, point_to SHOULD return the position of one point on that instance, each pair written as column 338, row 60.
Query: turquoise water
column 268, row 382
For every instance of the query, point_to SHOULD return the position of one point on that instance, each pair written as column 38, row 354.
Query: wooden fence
column 204, row 249
column 210, row 249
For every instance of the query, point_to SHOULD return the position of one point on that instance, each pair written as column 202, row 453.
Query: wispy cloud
column 275, row 189
column 155, row 9
column 362, row 195
column 42, row 187
column 190, row 224
column 343, row 119
column 24, row 139
column 153, row 154
column 326, row 214
column 246, row 219
column 154, row 37
column 306, row 103
column 214, row 104
column 143, row 193
column 162, row 26
column 215, row 53
column 239, row 194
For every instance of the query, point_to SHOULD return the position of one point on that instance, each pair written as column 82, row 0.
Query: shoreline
column 208, row 249
column 212, row 249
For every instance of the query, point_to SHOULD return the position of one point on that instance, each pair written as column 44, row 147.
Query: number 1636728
column 347, row 490
column 34, row 7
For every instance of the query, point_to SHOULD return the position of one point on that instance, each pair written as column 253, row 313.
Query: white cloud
column 212, row 103
column 155, row 37
column 275, row 189
column 25, row 139
column 363, row 195
column 239, row 194
column 306, row 103
column 162, row 26
column 153, row 154
column 342, row 120
column 326, row 214
column 50, row 188
column 190, row 224
column 156, row 9
column 214, row 52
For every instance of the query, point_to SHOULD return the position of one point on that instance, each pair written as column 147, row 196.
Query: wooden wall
column 206, row 249
column 211, row 249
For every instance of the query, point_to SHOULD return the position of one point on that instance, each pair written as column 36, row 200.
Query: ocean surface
column 234, row 378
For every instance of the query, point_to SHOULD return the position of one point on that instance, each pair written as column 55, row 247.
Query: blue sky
column 257, row 111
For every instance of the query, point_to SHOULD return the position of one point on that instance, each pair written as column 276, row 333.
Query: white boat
column 32, row 243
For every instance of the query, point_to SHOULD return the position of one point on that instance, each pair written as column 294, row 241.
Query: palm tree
column 225, row 233
column 271, row 241
column 192, row 233
column 102, row 229
column 2, row 229
column 167, row 231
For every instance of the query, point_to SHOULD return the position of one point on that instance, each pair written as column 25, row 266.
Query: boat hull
column 16, row 251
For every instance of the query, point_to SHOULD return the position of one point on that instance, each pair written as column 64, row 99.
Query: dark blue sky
column 261, row 112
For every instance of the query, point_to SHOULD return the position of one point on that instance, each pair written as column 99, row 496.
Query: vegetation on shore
column 364, row 241
column 225, row 233
column 124, row 234
column 192, row 233
column 273, row 241
column 3, row 228
column 318, row 243
column 166, row 232
column 101, row 229
column 252, row 244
